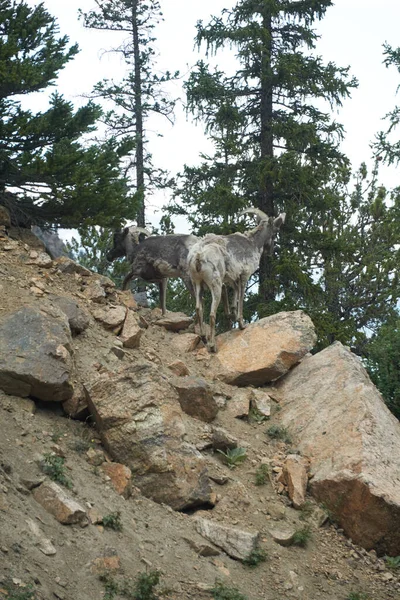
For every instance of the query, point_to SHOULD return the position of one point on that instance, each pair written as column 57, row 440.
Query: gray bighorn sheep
column 231, row 260
column 154, row 258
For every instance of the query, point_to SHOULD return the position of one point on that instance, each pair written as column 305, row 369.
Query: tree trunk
column 141, row 221
column 267, row 290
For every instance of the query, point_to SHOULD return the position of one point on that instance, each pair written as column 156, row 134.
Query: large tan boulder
column 141, row 425
column 341, row 423
column 265, row 350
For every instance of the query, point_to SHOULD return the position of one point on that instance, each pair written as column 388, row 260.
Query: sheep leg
column 216, row 290
column 199, row 308
column 241, row 288
column 162, row 286
column 127, row 279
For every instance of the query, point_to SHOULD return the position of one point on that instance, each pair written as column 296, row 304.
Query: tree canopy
column 48, row 174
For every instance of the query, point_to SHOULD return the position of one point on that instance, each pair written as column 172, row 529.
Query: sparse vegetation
column 277, row 432
column 234, row 457
column 113, row 521
column 144, row 585
column 56, row 436
column 306, row 510
column 53, row 466
column 223, row 592
column 110, row 585
column 142, row 588
column 257, row 556
column 393, row 562
column 81, row 445
column 357, row 596
column 14, row 592
column 262, row 474
column 302, row 537
column 255, row 416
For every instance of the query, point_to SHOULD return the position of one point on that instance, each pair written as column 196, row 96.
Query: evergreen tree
column 275, row 146
column 387, row 147
column 140, row 93
column 47, row 175
column 383, row 363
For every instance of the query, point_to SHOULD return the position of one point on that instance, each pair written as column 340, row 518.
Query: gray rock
column 35, row 355
column 195, row 397
column 78, row 319
column 239, row 544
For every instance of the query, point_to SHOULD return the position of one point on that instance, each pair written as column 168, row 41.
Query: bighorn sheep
column 154, row 258
column 231, row 259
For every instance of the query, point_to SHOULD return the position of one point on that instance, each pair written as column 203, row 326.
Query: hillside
column 89, row 558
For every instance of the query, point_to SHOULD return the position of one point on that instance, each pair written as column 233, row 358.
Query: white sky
column 352, row 33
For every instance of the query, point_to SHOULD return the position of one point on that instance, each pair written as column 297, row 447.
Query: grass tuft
column 53, row 466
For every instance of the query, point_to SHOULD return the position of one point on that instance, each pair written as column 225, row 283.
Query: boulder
column 295, row 476
column 341, row 423
column 174, row 321
column 265, row 350
column 179, row 368
column 195, row 397
column 121, row 477
column 131, row 331
column 35, row 354
column 67, row 265
column 237, row 543
column 261, row 402
column 239, row 405
column 78, row 319
column 141, row 425
column 185, row 342
column 111, row 317
column 58, row 503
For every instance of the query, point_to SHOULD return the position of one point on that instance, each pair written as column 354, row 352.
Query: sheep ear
column 279, row 221
column 142, row 237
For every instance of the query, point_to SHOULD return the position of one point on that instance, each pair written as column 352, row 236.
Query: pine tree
column 276, row 146
column 47, row 175
column 387, row 145
column 140, row 93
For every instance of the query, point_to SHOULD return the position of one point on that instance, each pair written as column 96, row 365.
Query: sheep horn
column 261, row 216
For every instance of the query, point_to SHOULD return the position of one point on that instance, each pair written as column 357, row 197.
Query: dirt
column 153, row 536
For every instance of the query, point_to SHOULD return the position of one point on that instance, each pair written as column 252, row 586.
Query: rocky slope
column 141, row 484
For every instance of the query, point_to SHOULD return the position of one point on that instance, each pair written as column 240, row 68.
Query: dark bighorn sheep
column 154, row 258
column 231, row 260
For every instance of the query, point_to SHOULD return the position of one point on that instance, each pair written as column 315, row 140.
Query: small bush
column 357, row 596
column 113, row 521
column 393, row 562
column 234, row 457
column 262, row 474
column 14, row 592
column 56, row 436
column 53, row 466
column 306, row 510
column 256, row 557
column 223, row 592
column 302, row 537
column 110, row 586
column 255, row 416
column 277, row 432
column 143, row 588
column 80, row 446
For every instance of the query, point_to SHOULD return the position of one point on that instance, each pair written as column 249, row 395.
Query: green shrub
column 357, row 596
column 302, row 537
column 234, row 457
column 223, row 592
column 277, row 432
column 256, row 557
column 113, row 521
column 393, row 562
column 53, row 466
column 262, row 474
column 14, row 592
column 143, row 588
